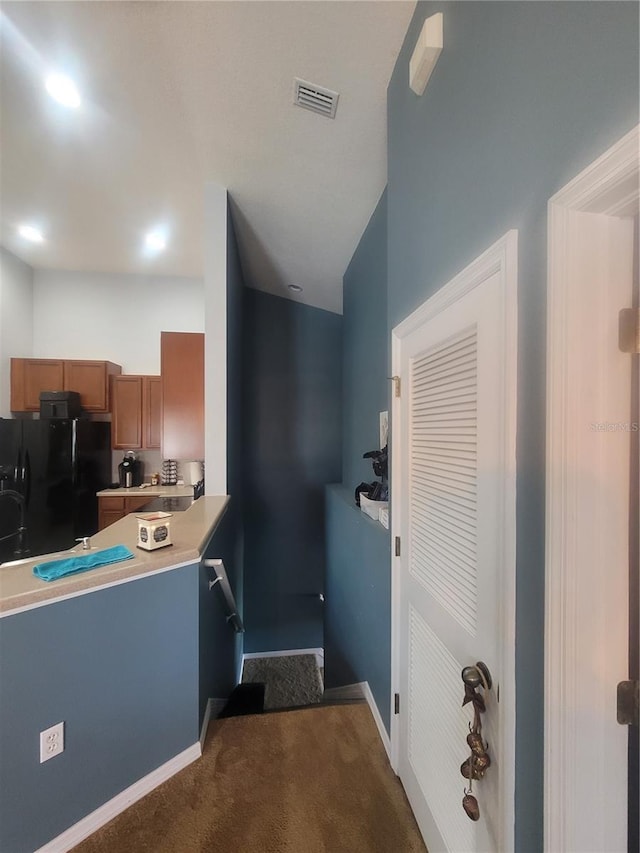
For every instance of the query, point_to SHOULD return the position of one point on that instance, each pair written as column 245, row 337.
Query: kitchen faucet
column 22, row 547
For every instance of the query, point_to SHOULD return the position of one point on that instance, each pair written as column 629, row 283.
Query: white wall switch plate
column 384, row 429
column 51, row 742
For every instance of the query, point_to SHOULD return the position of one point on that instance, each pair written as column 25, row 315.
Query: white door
column 589, row 431
column 454, row 510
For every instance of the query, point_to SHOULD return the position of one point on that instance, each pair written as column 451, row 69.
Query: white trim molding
column 590, row 251
column 371, row 702
column 214, row 707
column 502, row 259
column 101, row 816
column 360, row 691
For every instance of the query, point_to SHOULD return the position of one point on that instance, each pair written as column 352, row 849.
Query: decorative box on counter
column 154, row 530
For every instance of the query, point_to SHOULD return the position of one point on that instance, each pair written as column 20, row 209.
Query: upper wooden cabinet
column 30, row 376
column 137, row 414
column 152, row 411
column 91, row 379
column 182, row 370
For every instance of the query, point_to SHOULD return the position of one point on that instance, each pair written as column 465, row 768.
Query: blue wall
column 523, row 97
column 358, row 600
column 120, row 668
column 358, row 588
column 292, row 419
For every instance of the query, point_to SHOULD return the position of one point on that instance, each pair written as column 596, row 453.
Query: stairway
column 284, row 683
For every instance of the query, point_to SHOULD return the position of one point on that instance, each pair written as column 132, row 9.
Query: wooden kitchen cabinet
column 91, row 379
column 112, row 508
column 182, row 370
column 137, row 412
column 30, row 376
column 152, row 411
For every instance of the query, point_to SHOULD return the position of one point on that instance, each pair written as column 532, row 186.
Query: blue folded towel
column 81, row 563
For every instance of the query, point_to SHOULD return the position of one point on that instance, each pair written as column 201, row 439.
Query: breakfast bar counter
column 191, row 531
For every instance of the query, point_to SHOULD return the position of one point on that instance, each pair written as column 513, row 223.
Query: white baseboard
column 89, row 824
column 205, row 724
column 214, row 706
column 319, row 653
column 371, row 702
column 361, row 690
column 348, row 693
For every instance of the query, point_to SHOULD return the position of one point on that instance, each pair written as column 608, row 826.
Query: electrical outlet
column 51, row 742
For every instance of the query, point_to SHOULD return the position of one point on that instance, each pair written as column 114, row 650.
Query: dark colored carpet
column 290, row 680
column 309, row 781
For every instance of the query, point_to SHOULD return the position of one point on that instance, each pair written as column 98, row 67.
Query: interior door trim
column 589, row 272
column 502, row 259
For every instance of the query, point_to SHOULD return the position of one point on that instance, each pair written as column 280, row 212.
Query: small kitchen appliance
column 60, row 404
column 130, row 470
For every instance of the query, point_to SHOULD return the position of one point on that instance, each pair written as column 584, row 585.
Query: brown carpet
column 309, row 781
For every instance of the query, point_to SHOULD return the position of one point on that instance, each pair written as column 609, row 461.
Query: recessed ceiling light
column 156, row 241
column 63, row 90
column 30, row 233
column 295, row 288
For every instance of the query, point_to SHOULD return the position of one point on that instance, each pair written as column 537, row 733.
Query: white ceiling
column 179, row 93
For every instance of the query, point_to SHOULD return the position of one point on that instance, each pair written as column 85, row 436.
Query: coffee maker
column 130, row 470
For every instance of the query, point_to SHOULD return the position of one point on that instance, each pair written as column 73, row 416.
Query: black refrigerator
column 57, row 466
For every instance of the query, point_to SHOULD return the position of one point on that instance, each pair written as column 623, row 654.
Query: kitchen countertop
column 163, row 503
column 149, row 490
column 191, row 531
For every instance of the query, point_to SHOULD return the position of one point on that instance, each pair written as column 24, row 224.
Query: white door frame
column 589, row 269
column 500, row 258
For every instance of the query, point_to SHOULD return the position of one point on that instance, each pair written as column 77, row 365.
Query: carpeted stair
column 290, row 681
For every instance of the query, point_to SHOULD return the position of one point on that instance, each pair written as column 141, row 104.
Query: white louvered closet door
column 452, row 388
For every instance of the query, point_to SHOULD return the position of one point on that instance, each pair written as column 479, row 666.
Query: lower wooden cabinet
column 113, row 507
column 136, row 403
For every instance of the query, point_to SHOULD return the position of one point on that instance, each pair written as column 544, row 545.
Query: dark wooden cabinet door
column 110, row 509
column 152, row 411
column 91, row 380
column 126, row 406
column 30, row 376
column 182, row 357
column 135, row 502
column 109, row 516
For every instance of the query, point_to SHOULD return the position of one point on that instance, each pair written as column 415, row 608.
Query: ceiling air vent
column 315, row 98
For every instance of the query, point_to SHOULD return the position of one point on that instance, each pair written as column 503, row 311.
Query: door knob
column 477, row 676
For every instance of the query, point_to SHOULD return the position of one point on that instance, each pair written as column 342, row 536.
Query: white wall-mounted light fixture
column 425, row 54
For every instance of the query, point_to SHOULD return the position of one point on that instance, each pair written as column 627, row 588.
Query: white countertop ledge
column 191, row 531
column 148, row 491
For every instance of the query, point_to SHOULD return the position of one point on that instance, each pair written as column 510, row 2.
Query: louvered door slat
column 459, row 503
column 443, row 470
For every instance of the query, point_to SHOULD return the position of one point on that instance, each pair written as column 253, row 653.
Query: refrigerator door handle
column 26, row 478
column 17, row 473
